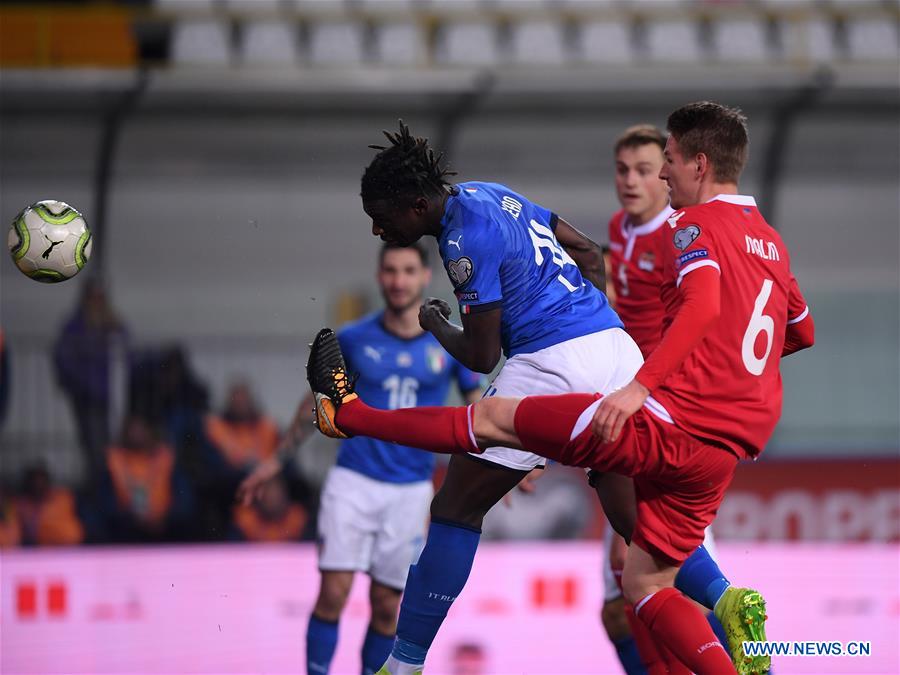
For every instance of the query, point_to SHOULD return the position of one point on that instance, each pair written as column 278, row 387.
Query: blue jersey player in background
column 374, row 504
column 527, row 285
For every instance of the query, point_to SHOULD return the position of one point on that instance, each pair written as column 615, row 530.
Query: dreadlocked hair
column 405, row 169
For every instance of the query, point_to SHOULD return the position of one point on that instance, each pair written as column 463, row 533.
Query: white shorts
column 598, row 362
column 610, row 587
column 368, row 525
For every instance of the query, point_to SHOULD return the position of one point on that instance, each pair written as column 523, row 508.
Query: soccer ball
column 49, row 241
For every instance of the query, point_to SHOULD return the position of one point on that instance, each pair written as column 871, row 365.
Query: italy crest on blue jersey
column 500, row 250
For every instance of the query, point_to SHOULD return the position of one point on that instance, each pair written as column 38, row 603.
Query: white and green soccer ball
column 49, row 241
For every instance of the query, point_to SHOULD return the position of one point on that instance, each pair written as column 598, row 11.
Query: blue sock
column 701, row 579
column 321, row 640
column 375, row 651
column 434, row 582
column 631, row 662
column 719, row 630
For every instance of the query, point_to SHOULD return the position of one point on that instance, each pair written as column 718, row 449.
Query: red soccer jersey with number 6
column 728, row 389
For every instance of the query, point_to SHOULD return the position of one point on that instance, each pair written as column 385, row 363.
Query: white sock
column 396, row 667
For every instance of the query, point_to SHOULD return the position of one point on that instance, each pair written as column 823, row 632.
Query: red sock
column 436, row 429
column 677, row 623
column 656, row 658
column 646, row 645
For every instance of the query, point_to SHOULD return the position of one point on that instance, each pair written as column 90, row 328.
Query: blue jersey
column 500, row 250
column 395, row 372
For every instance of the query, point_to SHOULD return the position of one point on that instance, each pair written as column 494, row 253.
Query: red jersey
column 636, row 261
column 728, row 388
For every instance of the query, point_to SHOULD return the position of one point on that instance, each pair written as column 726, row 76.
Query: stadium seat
column 258, row 6
column 201, row 42
column 607, row 42
column 399, row 43
column 811, row 40
column 319, row 4
column 518, row 5
column 538, row 42
column 186, row 6
column 872, row 39
column 676, row 40
column 743, row 40
column 391, row 5
column 336, row 42
column 467, row 43
column 269, row 42
column 459, row 5
column 588, row 4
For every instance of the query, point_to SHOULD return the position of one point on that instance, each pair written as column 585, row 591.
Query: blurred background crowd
column 163, row 470
column 215, row 147
column 164, row 465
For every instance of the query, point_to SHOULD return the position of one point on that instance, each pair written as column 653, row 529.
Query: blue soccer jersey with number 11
column 396, row 373
column 500, row 250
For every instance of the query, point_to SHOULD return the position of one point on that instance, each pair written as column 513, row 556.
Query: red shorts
column 679, row 480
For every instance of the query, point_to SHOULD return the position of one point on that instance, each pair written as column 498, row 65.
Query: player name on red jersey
column 767, row 250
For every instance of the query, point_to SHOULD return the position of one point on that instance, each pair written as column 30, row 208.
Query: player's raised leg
column 445, row 429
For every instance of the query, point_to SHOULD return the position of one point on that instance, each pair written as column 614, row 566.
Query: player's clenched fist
column 433, row 313
column 615, row 409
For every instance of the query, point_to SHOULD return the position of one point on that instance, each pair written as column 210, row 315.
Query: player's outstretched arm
column 476, row 345
column 301, row 427
column 586, row 253
column 251, row 487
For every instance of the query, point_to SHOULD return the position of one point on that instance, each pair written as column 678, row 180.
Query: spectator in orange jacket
column 242, row 435
column 47, row 512
column 272, row 517
column 147, row 497
column 10, row 528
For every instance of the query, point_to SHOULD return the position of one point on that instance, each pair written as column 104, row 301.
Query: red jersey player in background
column 636, row 235
column 707, row 396
column 634, row 277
